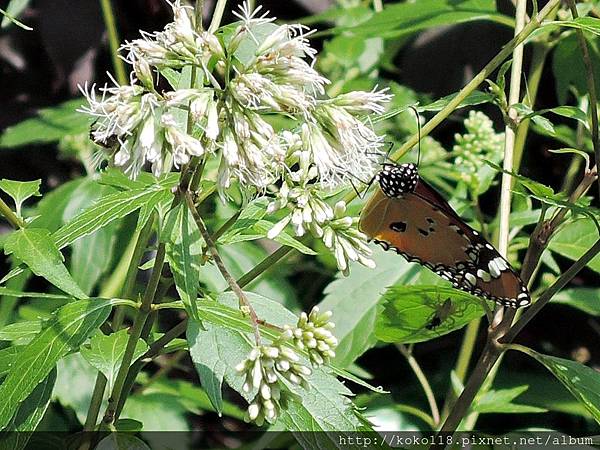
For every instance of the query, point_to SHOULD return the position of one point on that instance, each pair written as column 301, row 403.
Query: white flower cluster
column 267, row 364
column 246, row 81
column 313, row 334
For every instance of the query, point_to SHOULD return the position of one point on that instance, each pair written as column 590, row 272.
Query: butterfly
column 409, row 216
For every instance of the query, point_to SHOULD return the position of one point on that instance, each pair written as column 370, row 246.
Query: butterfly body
column 407, row 215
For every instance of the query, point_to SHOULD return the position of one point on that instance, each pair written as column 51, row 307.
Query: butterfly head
column 398, row 179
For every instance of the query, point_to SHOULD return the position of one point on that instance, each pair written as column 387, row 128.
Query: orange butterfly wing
column 424, row 228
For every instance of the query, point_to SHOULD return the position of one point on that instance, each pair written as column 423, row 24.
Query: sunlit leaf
column 420, row 313
column 581, row 298
column 20, row 191
column 36, row 248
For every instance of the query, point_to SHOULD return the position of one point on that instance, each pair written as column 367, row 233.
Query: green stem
column 132, row 258
column 217, row 16
column 267, row 263
column 113, row 41
column 135, row 334
column 415, row 412
column 509, row 132
column 416, row 368
column 10, row 216
column 591, row 86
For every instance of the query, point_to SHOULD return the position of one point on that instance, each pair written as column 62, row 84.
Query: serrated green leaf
column 69, row 327
column 216, row 351
column 581, row 381
column 105, row 353
column 324, row 407
column 29, row 414
column 500, row 401
column 91, row 255
column 420, row 313
column 581, row 298
column 106, row 210
column 36, row 248
column 574, row 239
column 355, row 320
column 50, row 125
column 183, row 244
column 20, row 191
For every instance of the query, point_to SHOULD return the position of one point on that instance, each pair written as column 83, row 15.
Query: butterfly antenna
column 418, row 133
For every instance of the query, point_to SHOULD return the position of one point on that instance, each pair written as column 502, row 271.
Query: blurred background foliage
column 422, row 50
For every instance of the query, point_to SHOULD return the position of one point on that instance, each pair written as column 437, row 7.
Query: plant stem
column 113, row 41
column 416, row 368
column 477, row 80
column 267, row 263
column 462, row 362
column 10, row 216
column 134, row 335
column 217, row 16
column 245, row 305
column 153, row 351
column 378, row 5
column 551, row 291
column 141, row 240
column 509, row 132
column 591, row 86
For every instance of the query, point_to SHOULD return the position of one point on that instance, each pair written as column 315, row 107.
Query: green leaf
column 324, row 407
column 91, row 255
column 14, row 8
column 355, row 320
column 184, row 253
column 7, row 358
column 69, row 327
column 420, row 313
column 194, row 398
column 77, row 393
column 30, row 413
column 144, row 407
column 216, row 351
column 573, row 151
column 20, row 332
column 581, row 381
column 36, row 248
column 400, row 19
column 20, row 191
column 568, row 68
column 121, row 441
column 574, row 239
column 104, row 211
column 581, row 298
column 500, row 401
column 589, row 24
column 225, row 341
column 14, row 293
column 105, row 353
column 50, row 125
column 263, row 227
column 473, row 99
